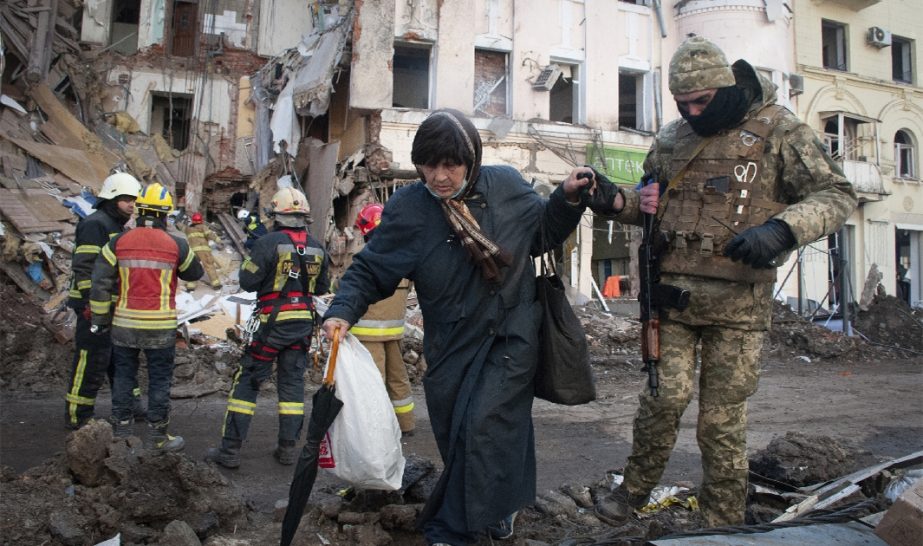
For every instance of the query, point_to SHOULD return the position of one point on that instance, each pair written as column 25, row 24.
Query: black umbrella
column 324, row 409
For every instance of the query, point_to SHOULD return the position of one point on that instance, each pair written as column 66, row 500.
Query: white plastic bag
column 363, row 445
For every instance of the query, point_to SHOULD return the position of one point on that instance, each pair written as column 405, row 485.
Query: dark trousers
column 159, row 377
column 291, row 362
column 88, row 371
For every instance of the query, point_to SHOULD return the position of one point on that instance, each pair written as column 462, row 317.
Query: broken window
column 901, row 67
column 171, row 116
column 491, row 69
column 411, row 76
column 123, row 32
column 904, row 152
column 845, row 145
column 833, row 45
column 564, row 98
column 185, row 27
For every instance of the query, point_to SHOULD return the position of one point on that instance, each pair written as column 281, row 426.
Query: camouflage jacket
column 790, row 178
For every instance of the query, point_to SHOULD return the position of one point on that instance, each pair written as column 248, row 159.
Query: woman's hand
column 575, row 183
column 335, row 326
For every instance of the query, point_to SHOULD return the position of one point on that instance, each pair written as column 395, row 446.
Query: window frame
column 841, row 43
column 418, row 46
column 905, row 156
column 905, row 48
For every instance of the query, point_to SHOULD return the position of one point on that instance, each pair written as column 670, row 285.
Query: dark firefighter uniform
column 92, row 359
column 286, row 268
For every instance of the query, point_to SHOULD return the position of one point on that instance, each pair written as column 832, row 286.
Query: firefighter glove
column 760, row 245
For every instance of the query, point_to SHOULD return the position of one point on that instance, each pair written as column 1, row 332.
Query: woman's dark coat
column 480, row 340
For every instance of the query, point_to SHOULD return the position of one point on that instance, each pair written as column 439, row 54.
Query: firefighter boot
column 159, row 441
column 122, row 428
column 285, row 452
column 616, row 508
column 228, row 455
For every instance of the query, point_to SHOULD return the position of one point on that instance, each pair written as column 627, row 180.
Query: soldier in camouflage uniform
column 742, row 181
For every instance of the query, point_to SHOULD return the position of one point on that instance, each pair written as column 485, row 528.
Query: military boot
column 285, row 452
column 616, row 508
column 122, row 428
column 228, row 455
column 159, row 441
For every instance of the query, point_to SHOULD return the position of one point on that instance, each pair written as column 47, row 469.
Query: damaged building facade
column 220, row 99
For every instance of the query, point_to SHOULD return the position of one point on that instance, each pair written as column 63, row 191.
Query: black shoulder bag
column 564, row 375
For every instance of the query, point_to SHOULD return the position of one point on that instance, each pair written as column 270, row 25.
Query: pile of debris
column 102, row 486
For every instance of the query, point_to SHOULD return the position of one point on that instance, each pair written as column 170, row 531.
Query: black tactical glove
column 758, row 246
column 601, row 201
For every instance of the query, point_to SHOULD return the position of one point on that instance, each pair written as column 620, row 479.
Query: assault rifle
column 653, row 296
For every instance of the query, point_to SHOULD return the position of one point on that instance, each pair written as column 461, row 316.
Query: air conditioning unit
column 878, row 37
column 547, row 78
column 795, row 84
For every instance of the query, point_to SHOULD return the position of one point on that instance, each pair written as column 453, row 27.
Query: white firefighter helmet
column 120, row 184
column 243, row 214
column 290, row 201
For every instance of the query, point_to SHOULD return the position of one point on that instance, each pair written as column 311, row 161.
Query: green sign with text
column 620, row 165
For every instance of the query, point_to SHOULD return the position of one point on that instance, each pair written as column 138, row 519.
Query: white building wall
column 282, row 25
column 867, row 88
column 213, row 105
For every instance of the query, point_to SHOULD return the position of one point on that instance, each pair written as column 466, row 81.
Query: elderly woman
column 466, row 235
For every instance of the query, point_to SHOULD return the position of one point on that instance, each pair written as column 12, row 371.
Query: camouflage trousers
column 729, row 375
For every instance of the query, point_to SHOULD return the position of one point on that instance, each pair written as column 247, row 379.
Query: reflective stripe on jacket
column 384, row 320
column 93, row 232
column 141, row 267
column 286, row 257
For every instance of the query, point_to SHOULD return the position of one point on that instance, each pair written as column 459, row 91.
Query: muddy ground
column 827, row 405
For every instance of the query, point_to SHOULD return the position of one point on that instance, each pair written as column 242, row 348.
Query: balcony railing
column 865, row 177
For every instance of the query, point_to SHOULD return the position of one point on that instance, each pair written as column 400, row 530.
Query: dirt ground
column 826, row 406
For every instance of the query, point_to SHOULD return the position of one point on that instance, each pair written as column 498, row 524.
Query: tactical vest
column 723, row 191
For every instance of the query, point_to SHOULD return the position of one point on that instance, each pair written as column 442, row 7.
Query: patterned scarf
column 486, row 254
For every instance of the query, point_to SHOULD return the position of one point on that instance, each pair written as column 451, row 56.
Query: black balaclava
column 726, row 109
column 110, row 207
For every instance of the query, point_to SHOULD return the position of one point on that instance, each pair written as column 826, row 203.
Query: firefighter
column 252, row 225
column 198, row 236
column 92, row 359
column 286, row 267
column 381, row 330
column 141, row 267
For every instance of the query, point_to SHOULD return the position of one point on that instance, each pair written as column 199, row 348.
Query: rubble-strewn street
column 828, row 405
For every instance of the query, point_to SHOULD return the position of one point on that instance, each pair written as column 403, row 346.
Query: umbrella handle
column 328, row 379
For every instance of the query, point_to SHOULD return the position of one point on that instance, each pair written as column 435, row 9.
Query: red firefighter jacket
column 140, row 268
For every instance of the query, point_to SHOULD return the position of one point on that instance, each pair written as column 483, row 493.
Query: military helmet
column 290, row 201
column 154, row 198
column 699, row 64
column 119, row 184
